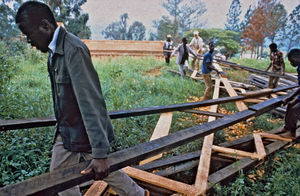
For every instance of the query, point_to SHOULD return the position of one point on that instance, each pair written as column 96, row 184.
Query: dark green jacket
column 80, row 110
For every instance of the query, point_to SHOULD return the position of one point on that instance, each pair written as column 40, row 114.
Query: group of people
column 83, row 125
column 195, row 48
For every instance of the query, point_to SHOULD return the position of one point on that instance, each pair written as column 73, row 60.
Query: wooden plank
column 194, row 73
column 161, row 129
column 260, row 149
column 253, row 70
column 253, row 100
column 160, row 181
column 50, row 121
column 273, row 136
column 204, row 164
column 205, row 158
column 62, row 179
column 244, row 164
column 214, row 108
column 97, row 188
column 194, row 155
column 239, row 104
column 234, row 152
column 206, row 113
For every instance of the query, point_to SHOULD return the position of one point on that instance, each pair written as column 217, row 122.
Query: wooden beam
column 62, row 179
column 239, row 104
column 160, row 181
column 194, row 73
column 162, row 129
column 253, row 70
column 205, row 158
column 276, row 137
column 206, row 113
column 97, row 188
column 260, row 149
column 233, row 169
column 234, row 152
column 204, row 164
column 50, row 121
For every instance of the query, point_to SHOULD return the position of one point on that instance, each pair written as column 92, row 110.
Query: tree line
column 266, row 22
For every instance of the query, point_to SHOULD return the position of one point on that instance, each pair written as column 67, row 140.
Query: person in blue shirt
column 207, row 67
column 292, row 115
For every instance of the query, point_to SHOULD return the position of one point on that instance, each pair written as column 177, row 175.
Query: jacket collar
column 60, row 41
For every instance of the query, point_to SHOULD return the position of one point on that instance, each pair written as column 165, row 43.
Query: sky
column 103, row 12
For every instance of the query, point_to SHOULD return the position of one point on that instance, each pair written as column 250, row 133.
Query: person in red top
column 277, row 65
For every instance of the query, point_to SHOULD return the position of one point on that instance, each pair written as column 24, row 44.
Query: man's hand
column 100, row 168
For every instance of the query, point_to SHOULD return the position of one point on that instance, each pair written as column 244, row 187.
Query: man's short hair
column 34, row 12
column 184, row 39
column 211, row 44
column 294, row 57
column 273, row 46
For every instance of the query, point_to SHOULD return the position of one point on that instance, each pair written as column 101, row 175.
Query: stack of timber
column 115, row 48
column 262, row 82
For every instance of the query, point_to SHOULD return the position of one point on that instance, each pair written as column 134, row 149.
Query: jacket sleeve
column 87, row 90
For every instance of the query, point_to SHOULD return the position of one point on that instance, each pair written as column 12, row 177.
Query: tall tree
column 246, row 19
column 267, row 19
column 186, row 15
column 291, row 35
column 164, row 27
column 136, row 31
column 118, row 30
column 69, row 12
column 8, row 28
column 233, row 16
column 276, row 19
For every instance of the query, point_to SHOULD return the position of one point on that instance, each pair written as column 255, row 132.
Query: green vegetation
column 126, row 83
column 278, row 176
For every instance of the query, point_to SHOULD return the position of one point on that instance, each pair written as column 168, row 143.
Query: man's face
column 37, row 37
column 196, row 36
column 211, row 47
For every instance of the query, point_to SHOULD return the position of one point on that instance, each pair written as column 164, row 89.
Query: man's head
column 169, row 37
column 294, row 57
column 184, row 40
column 211, row 47
column 37, row 22
column 196, row 34
column 273, row 47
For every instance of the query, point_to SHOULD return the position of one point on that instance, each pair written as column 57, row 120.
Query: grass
column 126, row 83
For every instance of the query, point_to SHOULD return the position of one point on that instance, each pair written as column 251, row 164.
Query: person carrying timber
column 277, row 65
column 207, row 67
column 292, row 115
column 168, row 48
column 83, row 124
column 182, row 59
column 197, row 46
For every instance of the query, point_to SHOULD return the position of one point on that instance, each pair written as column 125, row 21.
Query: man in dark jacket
column 292, row 115
column 83, row 125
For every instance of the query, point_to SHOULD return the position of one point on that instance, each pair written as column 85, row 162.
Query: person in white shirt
column 197, row 46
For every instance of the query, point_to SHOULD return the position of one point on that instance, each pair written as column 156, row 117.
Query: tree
column 291, row 34
column 164, row 27
column 276, row 19
column 186, row 16
column 136, row 31
column 118, row 30
column 233, row 16
column 246, row 19
column 8, row 28
column 69, row 12
column 265, row 21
